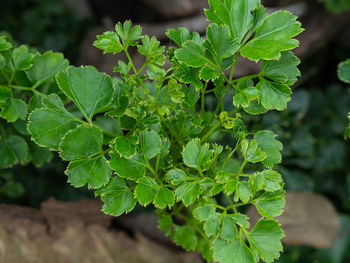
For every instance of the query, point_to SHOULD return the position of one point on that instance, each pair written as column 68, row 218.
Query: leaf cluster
column 147, row 137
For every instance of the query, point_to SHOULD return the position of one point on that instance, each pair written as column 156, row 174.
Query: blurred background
column 316, row 156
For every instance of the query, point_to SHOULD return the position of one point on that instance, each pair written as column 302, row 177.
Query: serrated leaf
column 21, row 58
column 191, row 54
column 181, row 35
column 177, row 176
column 5, row 94
column 125, row 145
column 273, row 95
column 4, row 45
column 146, row 190
column 251, row 151
column 243, row 97
column 153, row 51
column 14, row 109
column 236, row 14
column 272, row 180
column 164, row 198
column 220, row 42
column 117, row 197
column 95, row 172
column 48, row 125
column 165, row 222
column 150, row 144
column 344, row 71
column 243, row 192
column 46, row 66
column 188, row 192
column 127, row 33
column 265, row 239
column 270, row 204
column 228, row 229
column 273, row 36
column 90, row 90
column 13, row 149
column 285, row 70
column 185, row 236
column 189, row 75
column 126, row 168
column 208, row 73
column 109, row 42
column 202, row 213
column 212, row 225
column 197, row 156
column 73, row 147
column 272, row 147
column 38, row 155
column 232, row 252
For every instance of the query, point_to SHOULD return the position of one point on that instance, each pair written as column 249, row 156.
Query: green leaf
column 197, row 156
column 220, row 42
column 90, row 90
column 109, row 42
column 12, row 189
column 236, row 14
column 153, row 51
column 14, row 109
column 208, row 73
column 228, row 229
column 243, row 192
column 46, row 66
column 191, row 54
column 273, row 95
column 5, row 94
column 95, row 172
column 4, row 45
column 13, row 149
column 81, row 143
column 125, row 145
column 272, row 180
column 22, row 58
column 251, row 151
column 235, row 251
column 117, row 197
column 185, row 236
column 203, row 213
column 270, row 204
column 165, row 222
column 164, row 198
column 127, row 168
column 243, row 97
column 2, row 61
column 285, row 70
column 268, row 143
column 48, row 125
column 176, row 176
column 188, row 192
column 189, row 75
column 181, row 35
column 265, row 239
column 127, row 33
column 39, row 155
column 150, row 144
column 212, row 225
column 273, row 36
column 344, row 71
column 146, row 190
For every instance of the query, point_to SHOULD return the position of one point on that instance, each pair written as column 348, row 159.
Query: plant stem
column 205, row 137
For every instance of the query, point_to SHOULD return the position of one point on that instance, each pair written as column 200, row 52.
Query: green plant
column 344, row 75
column 148, row 136
column 336, row 6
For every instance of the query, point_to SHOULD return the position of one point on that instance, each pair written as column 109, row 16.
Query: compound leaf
column 13, row 149
column 109, row 42
column 232, row 252
column 188, row 192
column 185, row 236
column 14, row 109
column 22, row 58
column 191, row 54
column 270, row 204
column 164, row 198
column 150, row 144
